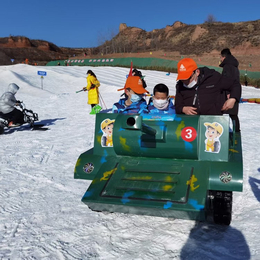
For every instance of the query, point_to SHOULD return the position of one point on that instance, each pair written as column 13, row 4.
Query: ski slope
column 41, row 213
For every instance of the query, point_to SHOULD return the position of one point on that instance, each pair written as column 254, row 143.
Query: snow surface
column 41, row 213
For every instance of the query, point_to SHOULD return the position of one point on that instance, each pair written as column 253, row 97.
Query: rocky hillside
column 188, row 39
column 203, row 42
column 22, row 49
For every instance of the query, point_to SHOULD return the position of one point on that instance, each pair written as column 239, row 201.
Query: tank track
column 219, row 207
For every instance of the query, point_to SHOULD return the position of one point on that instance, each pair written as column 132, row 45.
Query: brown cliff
column 202, row 42
column 20, row 48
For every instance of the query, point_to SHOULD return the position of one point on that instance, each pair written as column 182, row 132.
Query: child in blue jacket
column 161, row 103
column 133, row 103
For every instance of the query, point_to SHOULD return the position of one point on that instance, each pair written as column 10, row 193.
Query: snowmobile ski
column 39, row 127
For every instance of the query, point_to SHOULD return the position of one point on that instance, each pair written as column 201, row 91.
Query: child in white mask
column 161, row 102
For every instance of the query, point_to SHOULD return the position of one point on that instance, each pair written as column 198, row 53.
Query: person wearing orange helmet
column 199, row 90
column 133, row 103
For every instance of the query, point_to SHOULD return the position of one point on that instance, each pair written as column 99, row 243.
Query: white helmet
column 13, row 88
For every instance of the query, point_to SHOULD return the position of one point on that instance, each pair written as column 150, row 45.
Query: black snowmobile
column 29, row 118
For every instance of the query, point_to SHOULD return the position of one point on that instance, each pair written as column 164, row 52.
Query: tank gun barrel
column 137, row 124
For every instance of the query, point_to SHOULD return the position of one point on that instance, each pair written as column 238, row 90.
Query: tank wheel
column 219, row 206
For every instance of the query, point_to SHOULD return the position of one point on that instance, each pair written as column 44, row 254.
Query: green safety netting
column 145, row 63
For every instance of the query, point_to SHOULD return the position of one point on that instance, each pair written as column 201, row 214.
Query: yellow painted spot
column 141, row 178
column 179, row 128
column 78, row 162
column 124, row 145
column 167, row 187
column 233, row 151
column 168, row 179
column 107, row 174
column 94, row 181
column 98, row 139
column 191, row 183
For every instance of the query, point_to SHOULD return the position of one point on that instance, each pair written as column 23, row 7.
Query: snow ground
column 41, row 213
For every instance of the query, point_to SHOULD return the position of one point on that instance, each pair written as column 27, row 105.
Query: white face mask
column 160, row 103
column 191, row 84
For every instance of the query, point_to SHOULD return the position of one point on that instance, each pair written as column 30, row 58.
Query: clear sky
column 84, row 23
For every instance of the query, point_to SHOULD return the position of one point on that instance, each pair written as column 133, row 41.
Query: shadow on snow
column 210, row 241
column 26, row 127
column 255, row 185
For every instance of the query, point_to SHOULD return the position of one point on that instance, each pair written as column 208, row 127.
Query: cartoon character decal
column 213, row 132
column 107, row 129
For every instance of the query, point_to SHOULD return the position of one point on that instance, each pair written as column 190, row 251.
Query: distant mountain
column 186, row 39
column 20, row 48
column 204, row 41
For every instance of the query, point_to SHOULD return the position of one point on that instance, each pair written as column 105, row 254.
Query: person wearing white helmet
column 14, row 116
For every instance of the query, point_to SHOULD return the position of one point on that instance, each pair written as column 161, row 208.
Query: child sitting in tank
column 161, row 103
column 133, row 103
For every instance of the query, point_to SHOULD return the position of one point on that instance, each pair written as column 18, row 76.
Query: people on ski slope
column 133, row 103
column 93, row 93
column 230, row 70
column 161, row 103
column 199, row 90
column 8, row 111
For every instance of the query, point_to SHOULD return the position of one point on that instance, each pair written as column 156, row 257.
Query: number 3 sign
column 188, row 134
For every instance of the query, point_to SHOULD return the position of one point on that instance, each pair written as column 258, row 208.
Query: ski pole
column 102, row 104
column 79, row 90
column 102, row 100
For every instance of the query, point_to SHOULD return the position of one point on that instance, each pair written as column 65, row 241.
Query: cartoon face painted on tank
column 108, row 130
column 213, row 132
column 107, row 126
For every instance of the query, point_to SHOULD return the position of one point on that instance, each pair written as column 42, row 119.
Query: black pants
column 235, row 118
column 233, row 112
column 233, row 115
column 16, row 116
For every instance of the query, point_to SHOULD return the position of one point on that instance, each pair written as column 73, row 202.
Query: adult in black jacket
column 199, row 90
column 230, row 65
column 230, row 70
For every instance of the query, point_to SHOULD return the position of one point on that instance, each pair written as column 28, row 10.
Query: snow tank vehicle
column 29, row 118
column 175, row 166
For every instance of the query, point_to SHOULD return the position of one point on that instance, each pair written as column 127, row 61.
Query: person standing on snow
column 199, row 91
column 229, row 64
column 93, row 93
column 14, row 116
column 230, row 70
